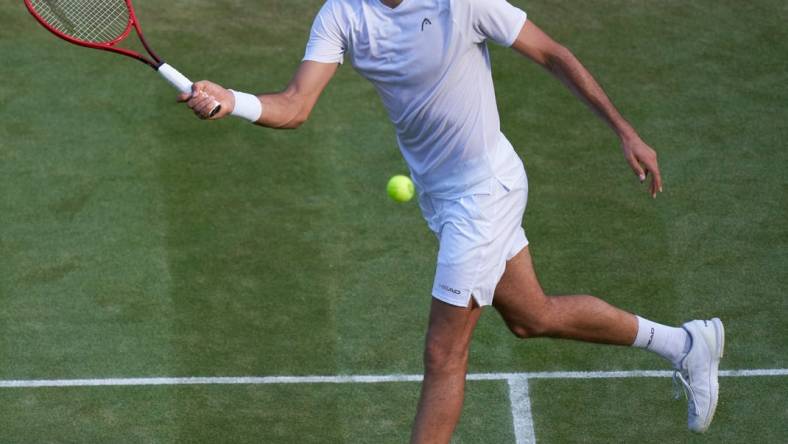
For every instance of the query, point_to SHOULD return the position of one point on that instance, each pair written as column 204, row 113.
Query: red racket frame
column 156, row 61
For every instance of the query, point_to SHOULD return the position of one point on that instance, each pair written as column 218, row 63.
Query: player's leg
column 445, row 363
column 694, row 350
column 528, row 312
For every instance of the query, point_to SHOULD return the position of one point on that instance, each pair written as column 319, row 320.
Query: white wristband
column 247, row 106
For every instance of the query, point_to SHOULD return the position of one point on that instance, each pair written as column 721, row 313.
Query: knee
column 442, row 358
column 528, row 330
column 538, row 323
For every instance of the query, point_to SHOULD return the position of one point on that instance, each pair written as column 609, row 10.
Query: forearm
column 568, row 69
column 533, row 43
column 287, row 109
column 291, row 107
column 282, row 110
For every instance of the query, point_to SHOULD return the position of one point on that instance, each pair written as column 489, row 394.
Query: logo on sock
column 650, row 337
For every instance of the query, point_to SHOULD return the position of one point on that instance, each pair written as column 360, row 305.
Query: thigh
column 451, row 327
column 518, row 294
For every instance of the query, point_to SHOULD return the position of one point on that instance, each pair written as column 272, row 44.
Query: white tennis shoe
column 698, row 372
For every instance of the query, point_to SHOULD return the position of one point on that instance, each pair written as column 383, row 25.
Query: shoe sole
column 719, row 335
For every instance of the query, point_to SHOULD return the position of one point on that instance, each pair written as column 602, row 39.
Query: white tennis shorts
column 477, row 234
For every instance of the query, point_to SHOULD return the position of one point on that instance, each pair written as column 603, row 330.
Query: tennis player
column 430, row 63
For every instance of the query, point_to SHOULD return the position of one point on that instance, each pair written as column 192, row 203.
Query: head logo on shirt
column 426, row 21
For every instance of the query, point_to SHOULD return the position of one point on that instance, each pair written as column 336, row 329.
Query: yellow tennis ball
column 400, row 188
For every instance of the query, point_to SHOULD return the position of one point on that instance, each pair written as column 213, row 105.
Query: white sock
column 669, row 342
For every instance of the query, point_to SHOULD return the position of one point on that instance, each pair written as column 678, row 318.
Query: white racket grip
column 182, row 84
column 176, row 79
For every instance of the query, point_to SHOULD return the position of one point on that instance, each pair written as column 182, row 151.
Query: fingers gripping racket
column 103, row 24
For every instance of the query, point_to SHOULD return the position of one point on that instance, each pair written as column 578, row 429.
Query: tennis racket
column 104, row 24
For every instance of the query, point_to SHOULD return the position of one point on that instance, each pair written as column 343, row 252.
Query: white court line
column 522, row 419
column 360, row 379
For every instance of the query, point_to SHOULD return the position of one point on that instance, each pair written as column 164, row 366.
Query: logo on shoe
column 449, row 289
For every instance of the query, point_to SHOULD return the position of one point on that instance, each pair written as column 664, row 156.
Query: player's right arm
column 290, row 108
column 287, row 109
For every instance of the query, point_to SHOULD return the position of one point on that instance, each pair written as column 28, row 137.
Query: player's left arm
column 533, row 43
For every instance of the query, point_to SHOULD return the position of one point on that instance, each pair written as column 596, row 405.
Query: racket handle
column 181, row 83
column 176, row 79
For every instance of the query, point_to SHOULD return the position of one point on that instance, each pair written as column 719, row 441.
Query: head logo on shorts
column 449, row 289
column 424, row 22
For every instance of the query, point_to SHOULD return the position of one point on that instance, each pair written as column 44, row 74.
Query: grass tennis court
column 137, row 241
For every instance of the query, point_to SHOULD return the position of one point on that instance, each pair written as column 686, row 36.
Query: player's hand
column 643, row 161
column 204, row 97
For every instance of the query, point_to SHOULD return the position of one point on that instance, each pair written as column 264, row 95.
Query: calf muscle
column 528, row 312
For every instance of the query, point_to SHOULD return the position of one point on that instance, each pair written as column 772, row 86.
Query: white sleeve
column 496, row 20
column 326, row 41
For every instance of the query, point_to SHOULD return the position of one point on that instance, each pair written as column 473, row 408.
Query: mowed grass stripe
column 248, row 240
column 84, row 278
column 377, row 413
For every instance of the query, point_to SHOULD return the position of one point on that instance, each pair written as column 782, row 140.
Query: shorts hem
column 457, row 302
column 521, row 245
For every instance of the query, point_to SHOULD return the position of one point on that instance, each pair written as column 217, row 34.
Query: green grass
column 136, row 240
column 241, row 414
column 575, row 411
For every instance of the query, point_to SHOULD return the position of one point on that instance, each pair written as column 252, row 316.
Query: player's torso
column 435, row 82
column 409, row 48
column 403, row 45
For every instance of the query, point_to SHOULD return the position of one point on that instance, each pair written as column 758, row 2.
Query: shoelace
column 679, row 383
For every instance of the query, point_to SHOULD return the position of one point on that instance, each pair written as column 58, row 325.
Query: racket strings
column 94, row 21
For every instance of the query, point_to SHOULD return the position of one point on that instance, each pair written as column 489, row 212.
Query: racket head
column 99, row 24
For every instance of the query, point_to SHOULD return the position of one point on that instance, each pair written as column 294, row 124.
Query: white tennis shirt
column 429, row 61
